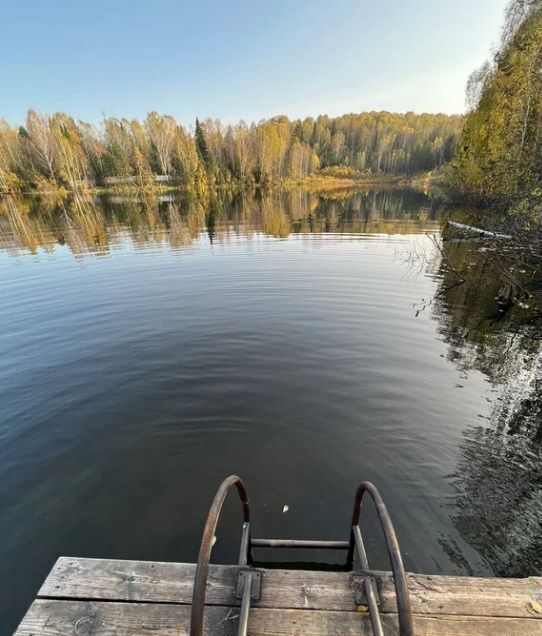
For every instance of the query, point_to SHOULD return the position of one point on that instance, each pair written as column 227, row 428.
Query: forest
column 55, row 151
column 499, row 157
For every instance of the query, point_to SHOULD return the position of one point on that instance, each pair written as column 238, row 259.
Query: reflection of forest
column 97, row 225
column 498, row 482
column 498, row 503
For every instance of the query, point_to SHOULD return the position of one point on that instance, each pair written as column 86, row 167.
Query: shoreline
column 423, row 181
column 314, row 183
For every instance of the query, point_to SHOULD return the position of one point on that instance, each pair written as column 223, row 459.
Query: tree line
column 500, row 153
column 57, row 151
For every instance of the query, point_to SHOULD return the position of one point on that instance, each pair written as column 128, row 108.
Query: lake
column 149, row 347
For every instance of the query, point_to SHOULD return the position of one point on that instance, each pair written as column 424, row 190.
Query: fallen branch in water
column 469, row 229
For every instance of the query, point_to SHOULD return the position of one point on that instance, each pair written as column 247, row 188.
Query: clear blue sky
column 237, row 59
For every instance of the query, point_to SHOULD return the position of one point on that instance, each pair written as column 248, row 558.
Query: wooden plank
column 101, row 579
column 98, row 618
column 457, row 595
column 110, row 579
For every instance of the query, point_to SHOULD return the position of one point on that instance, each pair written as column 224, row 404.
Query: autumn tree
column 71, row 164
column 500, row 153
column 161, row 130
column 41, row 143
column 10, row 158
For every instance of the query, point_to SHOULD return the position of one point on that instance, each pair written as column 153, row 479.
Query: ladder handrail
column 406, row 627
column 206, row 547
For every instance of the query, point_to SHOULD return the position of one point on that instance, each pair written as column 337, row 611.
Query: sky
column 240, row 59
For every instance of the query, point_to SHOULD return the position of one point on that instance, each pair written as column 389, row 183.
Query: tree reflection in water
column 497, row 507
column 98, row 225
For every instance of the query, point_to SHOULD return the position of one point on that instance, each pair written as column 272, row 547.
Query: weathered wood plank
column 110, row 579
column 86, row 618
column 102, row 579
column 464, row 596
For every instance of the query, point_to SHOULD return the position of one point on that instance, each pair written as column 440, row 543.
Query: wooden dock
column 103, row 597
column 98, row 597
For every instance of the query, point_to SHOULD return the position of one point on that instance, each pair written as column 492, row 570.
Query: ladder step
column 297, row 543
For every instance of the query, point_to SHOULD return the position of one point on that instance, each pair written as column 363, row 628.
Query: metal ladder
column 250, row 579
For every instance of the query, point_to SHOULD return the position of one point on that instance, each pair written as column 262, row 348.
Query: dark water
column 150, row 348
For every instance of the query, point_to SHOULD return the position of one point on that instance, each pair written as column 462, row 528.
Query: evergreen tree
column 201, row 145
column 298, row 132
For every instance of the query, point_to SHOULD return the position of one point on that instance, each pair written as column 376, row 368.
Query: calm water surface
column 150, row 348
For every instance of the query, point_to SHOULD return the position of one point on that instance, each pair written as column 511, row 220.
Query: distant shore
column 422, row 181
column 315, row 183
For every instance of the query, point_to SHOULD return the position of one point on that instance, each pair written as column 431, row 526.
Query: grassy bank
column 424, row 181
